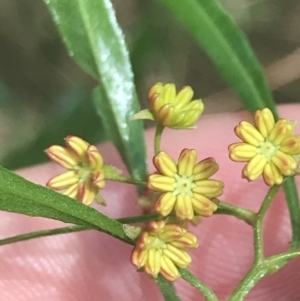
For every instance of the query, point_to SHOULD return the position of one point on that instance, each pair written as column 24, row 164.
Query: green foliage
column 21, row 196
column 95, row 40
column 228, row 48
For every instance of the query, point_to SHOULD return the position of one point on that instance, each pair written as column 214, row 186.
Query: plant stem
column 259, row 270
column 261, row 266
column 246, row 215
column 139, row 218
column 247, row 283
column 167, row 289
column 258, row 231
column 127, row 180
column 199, row 285
column 157, row 139
column 292, row 198
column 37, row 234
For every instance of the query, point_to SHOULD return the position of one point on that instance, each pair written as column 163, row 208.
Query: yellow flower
column 186, row 187
column 174, row 110
column 84, row 164
column 160, row 249
column 269, row 148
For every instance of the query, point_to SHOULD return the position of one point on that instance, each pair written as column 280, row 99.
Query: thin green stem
column 199, row 285
column 246, row 215
column 139, row 218
column 258, row 231
column 42, row 233
column 127, row 180
column 283, row 258
column 167, row 289
column 247, row 283
column 157, row 139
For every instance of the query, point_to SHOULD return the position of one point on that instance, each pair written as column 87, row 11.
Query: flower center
column 83, row 172
column 156, row 243
column 267, row 149
column 183, row 185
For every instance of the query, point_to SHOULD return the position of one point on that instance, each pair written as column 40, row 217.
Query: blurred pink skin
column 93, row 266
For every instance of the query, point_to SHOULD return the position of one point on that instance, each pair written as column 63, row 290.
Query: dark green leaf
column 73, row 113
column 230, row 51
column 21, row 196
column 95, row 40
column 291, row 193
column 124, row 132
column 228, row 48
column 167, row 289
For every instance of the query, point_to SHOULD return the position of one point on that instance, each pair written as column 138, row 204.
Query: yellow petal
column 255, row 167
column 62, row 156
column 164, row 114
column 291, row 145
column 180, row 257
column 98, row 180
column 183, row 207
column 94, row 158
column 165, row 204
column 153, row 262
column 72, row 191
column 184, row 96
column 160, row 183
column 63, row 181
column 209, row 188
column 248, row 133
column 168, row 269
column 282, row 130
column 242, row 152
column 187, row 162
column 77, row 146
column 139, row 257
column 169, row 93
column 165, row 164
column 189, row 240
column 86, row 193
column 205, row 169
column 203, row 205
column 286, row 163
column 264, row 121
column 272, row 174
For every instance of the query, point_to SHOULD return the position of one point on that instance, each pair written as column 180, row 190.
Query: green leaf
column 228, row 48
column 73, row 113
column 167, row 289
column 291, row 193
column 231, row 53
column 125, row 133
column 95, row 40
column 21, row 196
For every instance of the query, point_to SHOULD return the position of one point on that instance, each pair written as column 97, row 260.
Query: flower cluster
column 269, row 147
column 84, row 163
column 172, row 109
column 185, row 186
column 160, row 249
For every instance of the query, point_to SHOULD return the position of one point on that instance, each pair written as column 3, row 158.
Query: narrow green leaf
column 42, row 233
column 167, row 289
column 124, row 132
column 21, row 196
column 291, row 193
column 95, row 40
column 228, row 48
column 231, row 53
